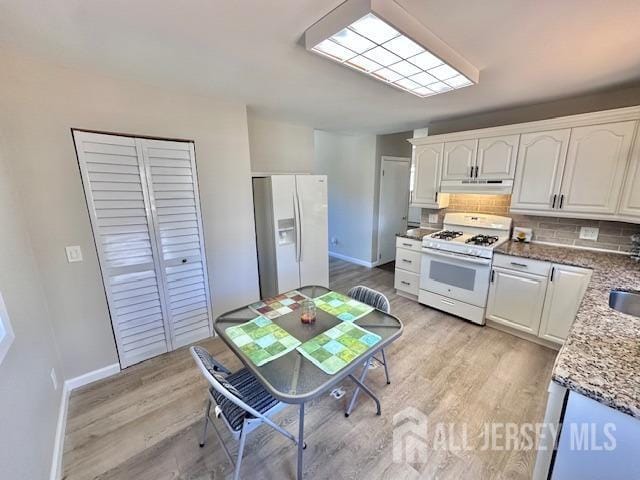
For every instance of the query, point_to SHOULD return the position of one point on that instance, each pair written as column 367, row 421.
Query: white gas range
column 456, row 263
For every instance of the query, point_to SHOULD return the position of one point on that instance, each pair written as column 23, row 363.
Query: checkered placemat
column 262, row 340
column 345, row 308
column 279, row 305
column 336, row 348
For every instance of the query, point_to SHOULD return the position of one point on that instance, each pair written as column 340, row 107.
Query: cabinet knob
column 184, row 260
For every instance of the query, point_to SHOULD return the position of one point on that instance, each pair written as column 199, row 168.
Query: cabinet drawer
column 409, row 243
column 406, row 281
column 536, row 267
column 408, row 260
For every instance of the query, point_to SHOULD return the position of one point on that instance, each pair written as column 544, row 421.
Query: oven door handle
column 462, row 258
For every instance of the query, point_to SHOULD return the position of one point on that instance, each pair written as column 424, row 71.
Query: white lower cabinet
column 543, row 304
column 407, row 274
column 516, row 299
column 564, row 293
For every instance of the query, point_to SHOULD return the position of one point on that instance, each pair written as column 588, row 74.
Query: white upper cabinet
column 496, row 158
column 595, row 167
column 565, row 290
column 630, row 202
column 428, row 166
column 541, row 158
column 459, row 159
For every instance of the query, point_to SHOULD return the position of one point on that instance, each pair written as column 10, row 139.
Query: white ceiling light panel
column 369, row 38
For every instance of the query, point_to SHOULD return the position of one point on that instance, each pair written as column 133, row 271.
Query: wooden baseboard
column 357, row 261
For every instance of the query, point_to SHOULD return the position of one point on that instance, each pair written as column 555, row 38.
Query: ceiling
column 251, row 51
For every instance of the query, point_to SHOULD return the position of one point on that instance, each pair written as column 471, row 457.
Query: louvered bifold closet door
column 173, row 190
column 113, row 177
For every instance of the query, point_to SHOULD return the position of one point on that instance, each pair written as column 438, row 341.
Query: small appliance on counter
column 635, row 247
column 521, row 234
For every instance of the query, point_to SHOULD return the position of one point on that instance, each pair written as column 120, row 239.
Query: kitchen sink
column 625, row 301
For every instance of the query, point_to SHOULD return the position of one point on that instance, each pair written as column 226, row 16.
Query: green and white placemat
column 336, row 348
column 345, row 308
column 262, row 340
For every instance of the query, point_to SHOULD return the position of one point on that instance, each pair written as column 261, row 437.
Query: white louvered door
column 173, row 190
column 155, row 302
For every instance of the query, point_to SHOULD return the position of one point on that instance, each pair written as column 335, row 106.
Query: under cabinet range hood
column 477, row 185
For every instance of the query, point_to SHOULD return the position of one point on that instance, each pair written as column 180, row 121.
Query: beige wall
column 278, row 147
column 349, row 163
column 40, row 103
column 620, row 97
column 28, row 402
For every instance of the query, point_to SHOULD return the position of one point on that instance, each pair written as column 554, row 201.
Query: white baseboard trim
column 93, row 376
column 61, row 426
column 357, row 261
column 58, row 444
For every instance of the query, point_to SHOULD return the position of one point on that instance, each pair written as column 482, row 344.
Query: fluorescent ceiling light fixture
column 381, row 39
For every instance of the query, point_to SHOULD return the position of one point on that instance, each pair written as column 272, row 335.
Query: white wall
column 28, row 402
column 349, row 163
column 40, row 103
column 278, row 147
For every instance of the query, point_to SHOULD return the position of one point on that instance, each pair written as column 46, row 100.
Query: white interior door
column 113, row 176
column 394, row 202
column 173, row 193
column 313, row 254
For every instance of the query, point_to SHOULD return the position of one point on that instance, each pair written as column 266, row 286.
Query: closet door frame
column 140, row 143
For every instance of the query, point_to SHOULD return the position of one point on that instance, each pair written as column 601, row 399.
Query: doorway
column 394, row 205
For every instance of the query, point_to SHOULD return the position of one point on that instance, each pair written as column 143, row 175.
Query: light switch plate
column 433, row 218
column 74, row 254
column 54, row 379
column 589, row 233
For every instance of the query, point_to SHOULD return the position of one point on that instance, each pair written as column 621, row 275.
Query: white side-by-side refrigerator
column 291, row 232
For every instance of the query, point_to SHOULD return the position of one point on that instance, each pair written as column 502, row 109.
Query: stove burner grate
column 447, row 235
column 483, row 240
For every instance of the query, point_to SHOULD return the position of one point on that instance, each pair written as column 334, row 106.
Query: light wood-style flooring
column 144, row 423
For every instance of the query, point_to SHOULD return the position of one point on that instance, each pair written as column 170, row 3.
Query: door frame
column 388, row 158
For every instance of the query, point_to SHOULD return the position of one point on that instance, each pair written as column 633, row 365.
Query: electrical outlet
column 433, row 218
column 54, row 379
column 589, row 233
column 74, row 253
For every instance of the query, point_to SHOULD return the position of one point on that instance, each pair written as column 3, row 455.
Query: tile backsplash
column 615, row 236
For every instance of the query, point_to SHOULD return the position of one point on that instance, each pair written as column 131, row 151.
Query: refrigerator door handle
column 296, row 219
column 301, row 232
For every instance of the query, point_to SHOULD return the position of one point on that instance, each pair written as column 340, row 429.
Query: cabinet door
column 113, row 177
column 595, row 168
column 428, row 164
column 459, row 157
column 175, row 208
column 564, row 294
column 630, row 203
column 497, row 157
column 516, row 299
column 541, row 158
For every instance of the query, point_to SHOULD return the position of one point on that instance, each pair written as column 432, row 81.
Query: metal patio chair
column 377, row 300
column 240, row 401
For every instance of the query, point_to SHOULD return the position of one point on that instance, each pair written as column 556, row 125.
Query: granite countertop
column 417, row 233
column 601, row 356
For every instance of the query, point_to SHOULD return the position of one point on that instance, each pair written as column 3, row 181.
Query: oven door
column 456, row 276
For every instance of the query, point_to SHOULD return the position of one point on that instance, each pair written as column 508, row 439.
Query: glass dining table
column 292, row 378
